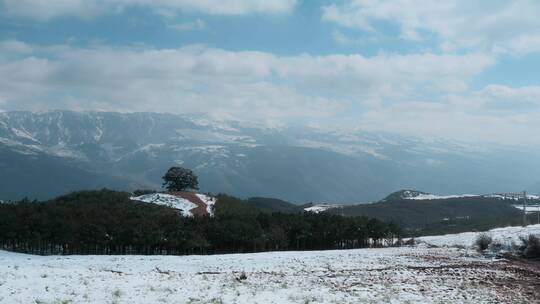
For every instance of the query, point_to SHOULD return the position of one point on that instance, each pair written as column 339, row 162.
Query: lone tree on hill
column 180, row 179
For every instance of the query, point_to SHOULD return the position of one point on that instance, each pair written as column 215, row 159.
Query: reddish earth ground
column 525, row 279
column 200, row 210
column 515, row 280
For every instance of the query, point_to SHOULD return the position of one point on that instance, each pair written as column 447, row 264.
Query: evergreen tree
column 180, row 179
column 108, row 222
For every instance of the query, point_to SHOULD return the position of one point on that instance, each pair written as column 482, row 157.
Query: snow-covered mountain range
column 46, row 154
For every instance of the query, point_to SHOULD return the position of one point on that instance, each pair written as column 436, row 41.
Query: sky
column 459, row 69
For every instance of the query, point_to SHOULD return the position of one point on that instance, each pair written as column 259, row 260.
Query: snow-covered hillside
column 208, row 201
column 504, row 236
column 187, row 203
column 168, row 200
column 419, row 195
column 529, row 208
column 439, row 197
column 318, row 208
column 513, row 196
column 392, row 275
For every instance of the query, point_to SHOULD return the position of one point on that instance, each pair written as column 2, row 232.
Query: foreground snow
column 390, row 275
column 371, row 275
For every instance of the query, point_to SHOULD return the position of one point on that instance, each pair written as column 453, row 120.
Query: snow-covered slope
column 318, row 208
column 504, row 236
column 208, row 201
column 437, row 197
column 529, row 208
column 388, row 275
column 168, row 200
column 419, row 195
column 512, row 196
column 184, row 201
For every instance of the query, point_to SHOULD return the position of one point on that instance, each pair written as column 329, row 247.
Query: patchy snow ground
column 167, row 200
column 389, row 275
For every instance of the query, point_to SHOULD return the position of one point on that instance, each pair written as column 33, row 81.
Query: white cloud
column 189, row 26
column 189, row 79
column 495, row 113
column 509, row 99
column 242, row 84
column 422, row 94
column 225, row 7
column 383, row 77
column 498, row 26
column 15, row 47
column 341, row 38
column 48, row 9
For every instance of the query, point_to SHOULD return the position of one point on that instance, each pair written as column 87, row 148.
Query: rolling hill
column 418, row 211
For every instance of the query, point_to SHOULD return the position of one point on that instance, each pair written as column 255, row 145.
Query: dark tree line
column 108, row 222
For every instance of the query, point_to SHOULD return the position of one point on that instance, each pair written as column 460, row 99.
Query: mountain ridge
column 292, row 163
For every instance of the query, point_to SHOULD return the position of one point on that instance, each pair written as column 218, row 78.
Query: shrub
column 497, row 247
column 531, row 247
column 410, row 242
column 483, row 241
column 242, row 277
column 140, row 192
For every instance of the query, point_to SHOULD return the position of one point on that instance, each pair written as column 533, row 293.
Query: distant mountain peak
column 404, row 194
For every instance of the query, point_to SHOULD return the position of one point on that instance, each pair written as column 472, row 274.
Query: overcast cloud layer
column 427, row 68
column 48, row 9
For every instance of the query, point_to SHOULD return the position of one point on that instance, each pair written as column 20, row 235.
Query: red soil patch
column 200, row 210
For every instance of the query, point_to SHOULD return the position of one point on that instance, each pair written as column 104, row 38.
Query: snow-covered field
column 391, row 275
